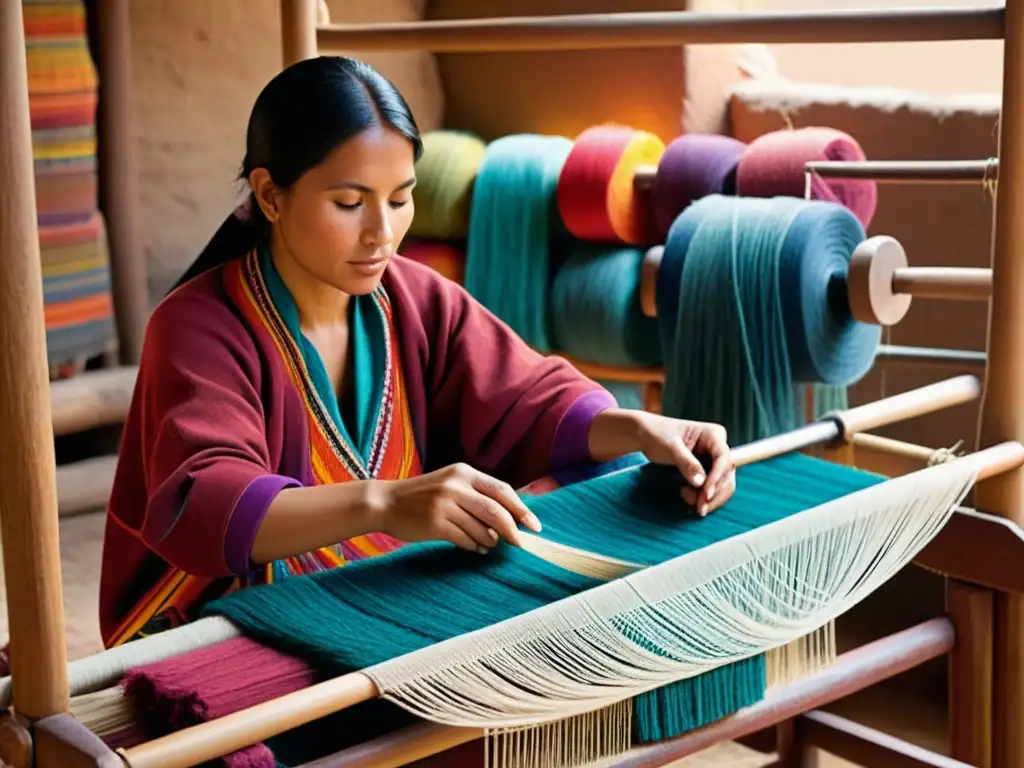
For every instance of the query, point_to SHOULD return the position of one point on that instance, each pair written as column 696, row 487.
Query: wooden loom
column 975, row 550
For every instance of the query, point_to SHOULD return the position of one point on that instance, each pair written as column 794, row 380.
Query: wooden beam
column 91, row 399
column 861, row 745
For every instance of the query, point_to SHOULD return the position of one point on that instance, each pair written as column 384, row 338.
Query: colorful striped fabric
column 63, row 94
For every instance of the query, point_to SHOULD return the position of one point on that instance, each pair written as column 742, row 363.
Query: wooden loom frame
column 985, row 591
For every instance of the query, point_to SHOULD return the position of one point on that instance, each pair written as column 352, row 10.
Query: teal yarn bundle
column 752, row 306
column 626, row 394
column 513, row 225
column 375, row 610
column 595, row 308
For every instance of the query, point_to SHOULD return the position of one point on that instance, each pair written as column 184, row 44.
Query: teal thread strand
column 595, row 308
column 751, row 310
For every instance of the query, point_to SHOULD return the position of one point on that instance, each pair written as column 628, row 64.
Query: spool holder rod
column 879, row 285
column 881, row 171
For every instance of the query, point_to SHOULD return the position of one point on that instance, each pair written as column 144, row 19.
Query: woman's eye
column 399, row 203
column 348, row 206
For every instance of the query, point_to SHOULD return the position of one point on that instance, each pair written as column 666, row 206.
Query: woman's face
column 343, row 220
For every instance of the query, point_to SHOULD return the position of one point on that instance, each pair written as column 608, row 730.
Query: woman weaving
column 303, row 385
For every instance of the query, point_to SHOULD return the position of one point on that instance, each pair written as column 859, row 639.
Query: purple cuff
column 570, row 446
column 247, row 516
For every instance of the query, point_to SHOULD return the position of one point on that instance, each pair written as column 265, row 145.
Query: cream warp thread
column 723, row 603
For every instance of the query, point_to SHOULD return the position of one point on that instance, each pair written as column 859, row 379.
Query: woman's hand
column 662, row 440
column 457, row 504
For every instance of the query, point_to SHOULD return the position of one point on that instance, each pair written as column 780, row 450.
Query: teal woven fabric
column 377, row 609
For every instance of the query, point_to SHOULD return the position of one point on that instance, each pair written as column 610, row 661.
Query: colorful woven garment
column 72, row 236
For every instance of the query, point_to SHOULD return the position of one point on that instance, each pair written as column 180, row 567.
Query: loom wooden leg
column 970, row 673
column 1002, row 413
column 63, row 742
column 28, row 487
column 1008, row 680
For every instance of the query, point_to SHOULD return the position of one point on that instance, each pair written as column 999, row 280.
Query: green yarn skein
column 445, row 174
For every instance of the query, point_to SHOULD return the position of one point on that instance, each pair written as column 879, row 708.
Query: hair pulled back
column 304, row 113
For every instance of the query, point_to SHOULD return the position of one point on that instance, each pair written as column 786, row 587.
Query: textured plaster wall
column 198, row 67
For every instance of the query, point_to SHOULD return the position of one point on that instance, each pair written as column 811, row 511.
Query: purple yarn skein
column 694, row 165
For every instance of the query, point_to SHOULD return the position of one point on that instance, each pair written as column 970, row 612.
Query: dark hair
column 299, row 118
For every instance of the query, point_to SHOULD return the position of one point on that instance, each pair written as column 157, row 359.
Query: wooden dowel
column 957, row 283
column 298, row 30
column 912, row 403
column 1002, row 413
column 851, row 672
column 648, row 29
column 970, row 672
column 860, row 745
column 215, row 738
column 119, row 177
column 968, row 360
column 881, row 171
column 879, row 284
column 91, row 399
column 908, row 171
column 28, row 490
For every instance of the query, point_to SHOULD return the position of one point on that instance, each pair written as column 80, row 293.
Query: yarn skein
column 596, row 196
column 444, row 258
column 445, row 174
column 595, row 308
column 513, row 224
column 773, row 164
column 694, row 165
column 751, row 302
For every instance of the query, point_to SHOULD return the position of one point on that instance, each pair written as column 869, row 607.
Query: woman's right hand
column 457, row 504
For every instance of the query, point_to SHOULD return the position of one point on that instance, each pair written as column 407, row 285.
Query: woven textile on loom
column 374, row 611
column 63, row 93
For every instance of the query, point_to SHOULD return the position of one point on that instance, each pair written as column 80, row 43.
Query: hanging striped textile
column 63, row 94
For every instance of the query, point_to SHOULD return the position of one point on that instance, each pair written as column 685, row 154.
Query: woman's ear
column 266, row 193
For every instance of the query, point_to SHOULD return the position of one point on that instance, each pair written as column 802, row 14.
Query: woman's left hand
column 671, row 441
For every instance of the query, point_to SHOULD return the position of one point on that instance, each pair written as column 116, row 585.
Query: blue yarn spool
column 595, row 308
column 751, row 302
column 513, row 225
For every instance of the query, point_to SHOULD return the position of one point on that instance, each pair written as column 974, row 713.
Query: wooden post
column 970, row 673
column 1002, row 416
column 28, row 490
column 119, row 178
column 298, row 30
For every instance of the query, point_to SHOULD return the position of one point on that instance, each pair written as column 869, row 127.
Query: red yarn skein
column 773, row 165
